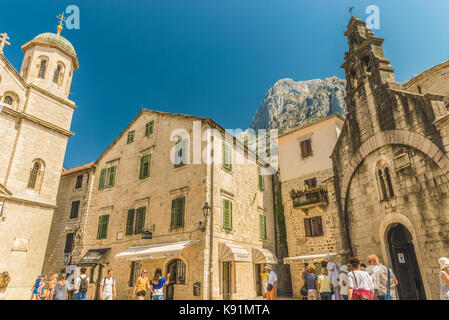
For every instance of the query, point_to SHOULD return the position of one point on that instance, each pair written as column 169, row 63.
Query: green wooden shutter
column 111, row 173
column 103, row 222
column 227, row 214
column 140, row 220
column 130, row 222
column 178, row 210
column 102, row 177
column 149, row 128
column 227, row 156
column 130, row 137
column 263, row 227
column 261, row 179
column 144, row 166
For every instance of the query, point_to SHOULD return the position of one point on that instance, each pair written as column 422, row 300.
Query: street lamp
column 206, row 210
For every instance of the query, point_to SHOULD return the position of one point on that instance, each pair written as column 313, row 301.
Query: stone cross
column 3, row 41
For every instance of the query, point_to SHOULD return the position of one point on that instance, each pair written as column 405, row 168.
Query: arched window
column 56, row 75
column 389, row 184
column 177, row 269
column 384, row 181
column 42, row 69
column 8, row 100
column 383, row 189
column 36, row 176
column 59, row 74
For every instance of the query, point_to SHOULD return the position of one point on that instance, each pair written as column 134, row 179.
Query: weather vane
column 350, row 10
column 61, row 18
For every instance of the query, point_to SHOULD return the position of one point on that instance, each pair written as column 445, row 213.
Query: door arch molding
column 389, row 222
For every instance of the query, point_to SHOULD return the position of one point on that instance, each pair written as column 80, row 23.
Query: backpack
column 83, row 284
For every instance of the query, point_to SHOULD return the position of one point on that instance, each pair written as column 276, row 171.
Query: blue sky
column 211, row 58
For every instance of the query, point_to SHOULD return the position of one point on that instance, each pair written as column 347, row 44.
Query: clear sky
column 211, row 58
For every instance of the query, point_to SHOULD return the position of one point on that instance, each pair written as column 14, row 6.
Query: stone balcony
column 310, row 199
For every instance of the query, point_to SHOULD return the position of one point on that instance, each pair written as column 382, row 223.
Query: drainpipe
column 211, row 227
column 274, row 216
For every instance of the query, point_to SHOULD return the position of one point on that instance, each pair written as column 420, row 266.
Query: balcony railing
column 311, row 198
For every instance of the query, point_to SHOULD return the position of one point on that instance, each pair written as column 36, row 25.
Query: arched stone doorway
column 405, row 264
column 177, row 270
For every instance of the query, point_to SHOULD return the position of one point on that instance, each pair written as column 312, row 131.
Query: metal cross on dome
column 3, row 41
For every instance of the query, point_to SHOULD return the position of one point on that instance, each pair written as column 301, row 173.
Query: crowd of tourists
column 356, row 281
column 58, row 288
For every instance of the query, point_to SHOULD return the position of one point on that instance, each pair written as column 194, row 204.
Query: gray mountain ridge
column 289, row 104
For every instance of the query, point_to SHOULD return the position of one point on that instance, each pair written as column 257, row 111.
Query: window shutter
column 308, row 227
column 227, row 214
column 178, row 210
column 263, row 228
column 227, row 156
column 75, row 209
column 103, row 227
column 303, row 149
column 111, row 180
column 140, row 220
column 131, row 274
column 261, row 179
column 144, row 166
column 319, row 223
column 130, row 222
column 68, row 243
column 149, row 128
column 102, row 177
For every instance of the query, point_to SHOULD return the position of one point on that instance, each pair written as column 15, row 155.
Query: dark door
column 259, row 291
column 98, row 281
column 226, row 280
column 177, row 269
column 405, row 264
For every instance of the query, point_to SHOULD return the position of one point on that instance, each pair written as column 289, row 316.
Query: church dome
column 56, row 39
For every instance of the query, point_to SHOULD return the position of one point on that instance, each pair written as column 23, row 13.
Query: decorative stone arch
column 42, row 68
column 58, row 75
column 12, row 99
column 391, row 137
column 184, row 260
column 386, row 224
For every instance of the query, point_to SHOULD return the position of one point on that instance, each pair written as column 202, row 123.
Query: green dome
column 56, row 39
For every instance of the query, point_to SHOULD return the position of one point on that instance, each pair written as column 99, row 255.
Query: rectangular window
column 181, row 153
column 111, row 176
column 263, row 226
column 306, row 148
column 261, row 178
column 68, row 243
column 140, row 220
column 313, row 227
column 130, row 222
column 177, row 212
column 227, row 214
column 103, row 222
column 102, row 179
column 135, row 273
column 130, row 137
column 311, row 183
column 227, row 156
column 75, row 209
column 79, row 181
column 149, row 128
column 145, row 166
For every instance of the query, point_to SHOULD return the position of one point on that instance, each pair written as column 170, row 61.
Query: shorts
column 264, row 286
column 80, row 296
column 141, row 293
column 107, row 297
column 158, row 297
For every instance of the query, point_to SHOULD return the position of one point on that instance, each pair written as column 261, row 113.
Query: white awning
column 154, row 251
column 232, row 252
column 309, row 258
column 261, row 255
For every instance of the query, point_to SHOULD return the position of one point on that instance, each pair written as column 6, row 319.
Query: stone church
column 391, row 166
column 35, row 123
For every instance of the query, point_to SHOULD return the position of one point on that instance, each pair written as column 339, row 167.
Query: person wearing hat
column 343, row 282
column 444, row 278
column 272, row 283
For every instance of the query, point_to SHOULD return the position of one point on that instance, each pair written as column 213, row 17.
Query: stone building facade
column 64, row 246
column 304, row 159
column 153, row 180
column 391, row 166
column 34, row 128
